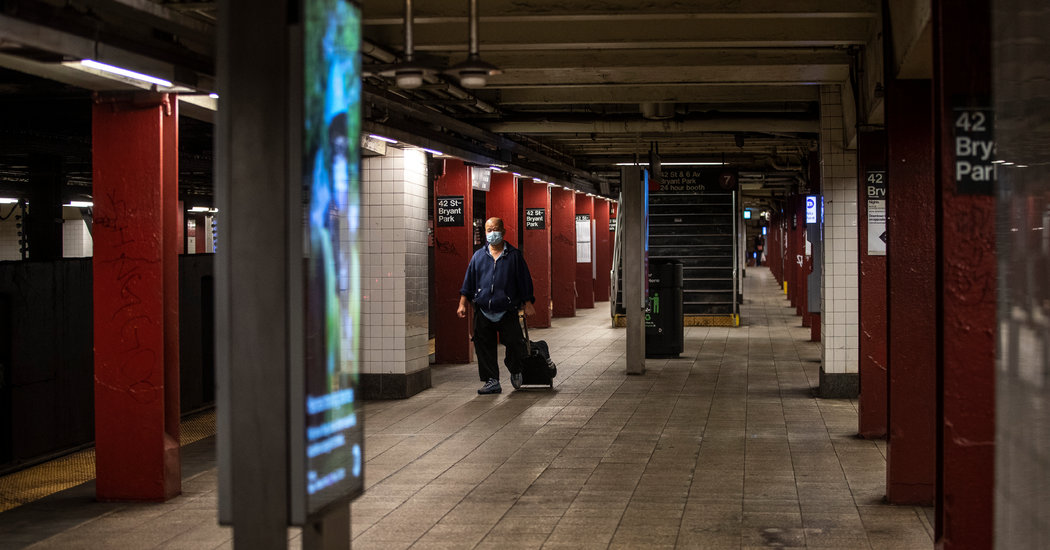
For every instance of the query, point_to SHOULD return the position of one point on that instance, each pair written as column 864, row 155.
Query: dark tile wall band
column 393, row 385
column 839, row 385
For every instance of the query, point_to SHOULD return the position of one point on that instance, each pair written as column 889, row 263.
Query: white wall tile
column 839, row 292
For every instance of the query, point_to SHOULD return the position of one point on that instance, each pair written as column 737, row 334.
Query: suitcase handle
column 525, row 325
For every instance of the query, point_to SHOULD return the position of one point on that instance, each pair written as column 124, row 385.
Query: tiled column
column 839, row 370
column 584, row 270
column 395, row 350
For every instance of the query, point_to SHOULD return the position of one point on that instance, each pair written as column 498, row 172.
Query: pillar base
column 393, row 385
column 839, row 385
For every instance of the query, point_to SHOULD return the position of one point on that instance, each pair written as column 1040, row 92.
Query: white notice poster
column 876, row 227
column 583, row 238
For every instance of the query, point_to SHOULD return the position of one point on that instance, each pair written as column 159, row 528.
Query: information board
column 535, row 218
column 875, row 184
column 583, row 238
column 330, row 441
column 450, row 211
column 976, row 168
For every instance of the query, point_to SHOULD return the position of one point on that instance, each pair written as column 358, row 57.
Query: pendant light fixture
column 473, row 72
column 409, row 74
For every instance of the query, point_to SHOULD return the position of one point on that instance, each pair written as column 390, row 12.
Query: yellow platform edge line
column 48, row 478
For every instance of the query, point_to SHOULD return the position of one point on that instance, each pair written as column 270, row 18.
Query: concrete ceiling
column 584, row 83
column 740, row 77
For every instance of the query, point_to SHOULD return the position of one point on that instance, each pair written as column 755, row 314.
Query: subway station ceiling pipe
column 474, row 71
column 409, row 74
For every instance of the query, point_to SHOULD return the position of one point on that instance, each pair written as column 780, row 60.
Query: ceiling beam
column 773, row 125
column 619, row 35
column 386, row 12
column 690, row 93
column 798, row 74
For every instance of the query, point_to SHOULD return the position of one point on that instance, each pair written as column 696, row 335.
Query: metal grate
column 56, row 475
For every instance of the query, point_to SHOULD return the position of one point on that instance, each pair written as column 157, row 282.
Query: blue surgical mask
column 494, row 237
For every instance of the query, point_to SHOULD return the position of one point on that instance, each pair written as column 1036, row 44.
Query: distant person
column 499, row 284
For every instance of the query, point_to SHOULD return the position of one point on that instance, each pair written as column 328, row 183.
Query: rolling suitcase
column 537, row 369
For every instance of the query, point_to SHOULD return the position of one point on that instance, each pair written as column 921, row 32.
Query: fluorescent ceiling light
column 517, row 175
column 998, row 161
column 79, row 204
column 672, row 164
column 431, row 151
column 8, row 200
column 495, row 168
column 381, row 138
column 213, row 95
column 125, row 72
column 201, row 209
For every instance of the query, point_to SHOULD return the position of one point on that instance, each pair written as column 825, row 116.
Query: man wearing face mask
column 499, row 284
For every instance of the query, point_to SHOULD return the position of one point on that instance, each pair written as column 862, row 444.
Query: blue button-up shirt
column 498, row 284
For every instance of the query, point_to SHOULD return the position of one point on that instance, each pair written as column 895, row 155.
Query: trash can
column 664, row 323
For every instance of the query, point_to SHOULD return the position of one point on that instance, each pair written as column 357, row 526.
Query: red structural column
column 791, row 261
column 502, row 202
column 871, row 418
column 585, row 270
column 563, row 252
column 912, row 288
column 967, row 267
column 602, row 250
column 537, row 247
column 773, row 246
column 453, row 248
column 135, row 263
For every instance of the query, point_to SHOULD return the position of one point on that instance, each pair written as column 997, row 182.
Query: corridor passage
column 725, row 447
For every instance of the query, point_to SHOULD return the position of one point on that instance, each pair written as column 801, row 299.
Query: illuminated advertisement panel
column 333, row 462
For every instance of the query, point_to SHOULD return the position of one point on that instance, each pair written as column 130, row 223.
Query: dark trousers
column 485, row 333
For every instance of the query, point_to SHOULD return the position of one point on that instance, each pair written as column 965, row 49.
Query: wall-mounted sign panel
column 330, row 439
column 535, row 218
column 875, row 184
column 480, row 178
column 811, row 209
column 583, row 238
column 450, row 211
column 975, row 163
